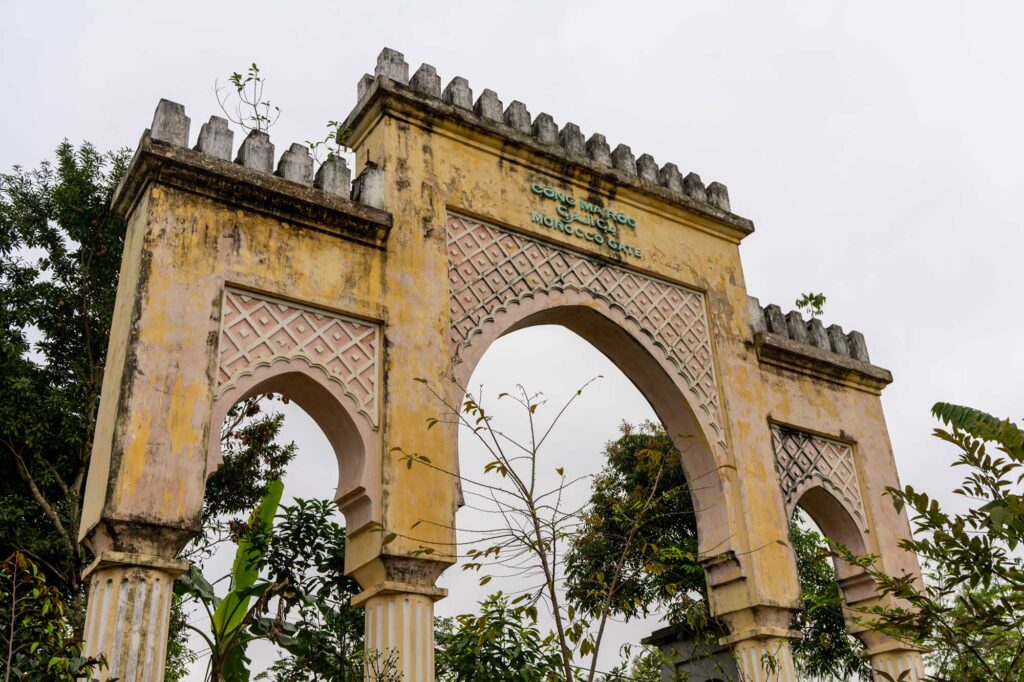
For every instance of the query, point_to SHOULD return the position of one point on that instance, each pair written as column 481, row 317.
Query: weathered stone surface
column 334, row 177
column 368, row 188
column 458, row 92
column 781, row 351
column 795, row 327
column 837, row 339
column 256, row 152
column 858, row 346
column 426, row 81
column 518, row 117
column 572, row 140
column 392, row 64
column 693, row 187
column 296, row 165
column 756, row 315
column 670, row 178
column 598, row 150
column 623, row 159
column 545, row 129
column 170, row 124
column 443, row 113
column 647, row 168
column 216, row 138
column 775, row 320
column 718, row 195
column 816, row 335
column 488, row 105
column 364, row 85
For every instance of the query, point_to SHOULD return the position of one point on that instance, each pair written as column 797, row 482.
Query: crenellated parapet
column 812, row 348
column 569, row 143
column 321, row 198
column 171, row 126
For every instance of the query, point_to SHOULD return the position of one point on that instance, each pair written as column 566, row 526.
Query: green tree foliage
column 60, row 252
column 663, row 574
column 36, row 642
column 970, row 611
column 230, row 616
column 288, row 587
column 60, row 255
column 308, row 551
column 500, row 644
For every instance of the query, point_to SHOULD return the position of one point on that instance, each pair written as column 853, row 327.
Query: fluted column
column 892, row 657
column 760, row 640
column 897, row 661
column 128, row 613
column 768, row 659
column 400, row 630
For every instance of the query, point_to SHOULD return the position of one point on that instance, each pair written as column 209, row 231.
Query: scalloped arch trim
column 257, row 331
column 491, row 270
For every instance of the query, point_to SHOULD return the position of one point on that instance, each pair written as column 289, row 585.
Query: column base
column 128, row 613
column 759, row 638
column 896, row 662
column 399, row 636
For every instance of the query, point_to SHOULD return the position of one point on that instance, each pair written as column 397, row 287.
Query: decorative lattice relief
column 257, row 330
column 805, row 460
column 491, row 269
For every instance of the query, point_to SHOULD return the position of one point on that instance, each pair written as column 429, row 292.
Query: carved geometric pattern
column 257, row 330
column 490, row 269
column 805, row 460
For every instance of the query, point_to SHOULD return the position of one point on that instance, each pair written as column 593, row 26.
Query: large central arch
column 501, row 282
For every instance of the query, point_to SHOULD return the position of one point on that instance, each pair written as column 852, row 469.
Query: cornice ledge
column 780, row 351
column 159, row 163
column 386, row 95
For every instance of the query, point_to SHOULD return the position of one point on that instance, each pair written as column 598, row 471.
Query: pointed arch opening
column 334, row 410
column 656, row 378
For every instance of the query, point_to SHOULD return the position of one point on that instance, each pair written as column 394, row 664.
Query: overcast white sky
column 877, row 147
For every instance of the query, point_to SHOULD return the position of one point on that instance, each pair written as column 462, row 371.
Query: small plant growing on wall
column 811, row 303
column 243, row 103
column 335, row 144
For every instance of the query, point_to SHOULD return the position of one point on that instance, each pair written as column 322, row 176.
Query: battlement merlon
column 421, row 99
column 293, row 193
column 808, row 347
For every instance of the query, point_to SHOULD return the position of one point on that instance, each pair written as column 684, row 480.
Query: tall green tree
column 60, row 256
column 60, row 252
column 969, row 611
column 664, row 575
column 500, row 644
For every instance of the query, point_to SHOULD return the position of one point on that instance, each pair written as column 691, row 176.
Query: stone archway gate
column 467, row 219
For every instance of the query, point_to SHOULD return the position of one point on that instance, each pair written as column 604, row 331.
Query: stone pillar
column 759, row 638
column 892, row 657
column 897, row 661
column 128, row 613
column 400, row 629
column 764, row 659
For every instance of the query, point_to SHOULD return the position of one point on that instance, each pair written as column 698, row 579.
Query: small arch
column 355, row 443
column 653, row 375
column 838, row 525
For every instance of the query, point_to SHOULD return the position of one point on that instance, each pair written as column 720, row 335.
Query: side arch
column 819, row 474
column 335, row 411
column 836, row 522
